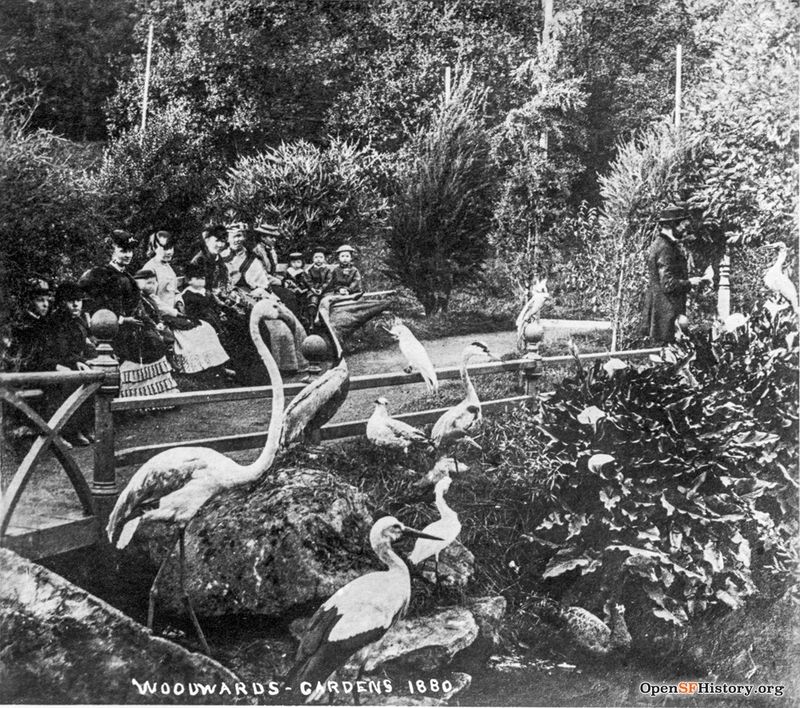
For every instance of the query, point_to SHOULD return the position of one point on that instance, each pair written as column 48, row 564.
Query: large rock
column 423, row 643
column 266, row 551
column 456, row 566
column 488, row 613
column 59, row 644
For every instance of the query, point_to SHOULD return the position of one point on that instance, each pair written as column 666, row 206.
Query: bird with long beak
column 447, row 527
column 385, row 431
column 355, row 616
column 457, row 422
column 778, row 281
column 415, row 354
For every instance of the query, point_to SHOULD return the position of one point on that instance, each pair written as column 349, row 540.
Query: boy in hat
column 345, row 278
column 668, row 271
column 297, row 281
column 32, row 333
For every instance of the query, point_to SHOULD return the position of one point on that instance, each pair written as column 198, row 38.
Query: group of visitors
column 197, row 323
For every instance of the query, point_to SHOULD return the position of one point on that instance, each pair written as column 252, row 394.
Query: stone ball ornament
column 104, row 325
column 683, row 322
column 533, row 332
column 315, row 348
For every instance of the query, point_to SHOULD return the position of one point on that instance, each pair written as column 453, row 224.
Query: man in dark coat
column 669, row 277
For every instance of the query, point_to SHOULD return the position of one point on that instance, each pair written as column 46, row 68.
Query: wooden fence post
column 532, row 336
column 104, row 480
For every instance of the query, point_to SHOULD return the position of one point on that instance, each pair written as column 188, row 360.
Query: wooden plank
column 332, row 431
column 42, row 378
column 59, row 537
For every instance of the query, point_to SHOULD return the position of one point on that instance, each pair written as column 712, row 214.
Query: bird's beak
column 420, row 534
column 493, row 357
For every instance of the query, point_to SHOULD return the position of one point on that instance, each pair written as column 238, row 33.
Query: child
column 198, row 303
column 319, row 277
column 32, row 333
column 345, row 278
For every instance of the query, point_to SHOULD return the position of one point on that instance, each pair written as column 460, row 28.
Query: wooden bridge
column 51, row 531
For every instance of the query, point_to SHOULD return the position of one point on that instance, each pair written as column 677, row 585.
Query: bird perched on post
column 456, row 423
column 414, row 353
column 531, row 309
column 447, row 527
column 318, row 402
column 385, row 431
column 173, row 486
column 778, row 281
column 355, row 616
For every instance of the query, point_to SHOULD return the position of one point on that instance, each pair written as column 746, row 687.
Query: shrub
column 317, row 196
column 441, row 202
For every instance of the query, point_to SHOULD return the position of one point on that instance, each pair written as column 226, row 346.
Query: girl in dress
column 197, row 346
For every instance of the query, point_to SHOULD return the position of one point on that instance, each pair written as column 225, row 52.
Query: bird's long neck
column 471, row 393
column 441, row 505
column 264, row 461
column 778, row 265
column 386, row 553
column 324, row 315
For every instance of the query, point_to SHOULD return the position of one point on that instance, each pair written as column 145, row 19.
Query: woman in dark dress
column 138, row 344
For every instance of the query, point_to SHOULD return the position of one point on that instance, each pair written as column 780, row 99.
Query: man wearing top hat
column 345, row 278
column 668, row 272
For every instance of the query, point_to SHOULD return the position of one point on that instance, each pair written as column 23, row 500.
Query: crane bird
column 385, row 431
column 778, row 281
column 356, row 615
column 414, row 353
column 456, row 422
column 447, row 527
column 318, row 402
column 531, row 309
column 173, row 486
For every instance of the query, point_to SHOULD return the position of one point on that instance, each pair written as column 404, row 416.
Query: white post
column 447, row 84
column 678, row 81
column 146, row 82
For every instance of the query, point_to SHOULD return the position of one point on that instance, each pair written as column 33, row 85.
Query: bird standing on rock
column 447, row 527
column 456, row 423
column 173, row 486
column 355, row 616
column 385, row 431
column 415, row 354
column 778, row 281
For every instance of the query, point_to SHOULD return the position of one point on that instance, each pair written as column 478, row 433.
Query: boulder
column 423, row 643
column 292, row 541
column 488, row 613
column 60, row 644
column 456, row 566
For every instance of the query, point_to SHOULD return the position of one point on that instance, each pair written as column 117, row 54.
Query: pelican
column 173, row 486
column 456, row 422
column 355, row 616
column 318, row 402
column 447, row 527
column 777, row 281
column 414, row 353
column 385, row 431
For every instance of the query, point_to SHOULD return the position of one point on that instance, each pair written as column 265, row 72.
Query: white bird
column 414, row 353
column 456, row 422
column 173, row 486
column 385, row 431
column 777, row 281
column 531, row 309
column 355, row 616
column 447, row 527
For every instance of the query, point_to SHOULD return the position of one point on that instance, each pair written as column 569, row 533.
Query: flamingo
column 385, row 431
column 173, row 486
column 318, row 402
column 356, row 615
column 456, row 422
column 447, row 527
column 415, row 354
column 777, row 281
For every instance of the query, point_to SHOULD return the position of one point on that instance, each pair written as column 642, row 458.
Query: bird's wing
column 418, row 358
column 312, row 400
column 447, row 529
column 160, row 476
column 403, row 430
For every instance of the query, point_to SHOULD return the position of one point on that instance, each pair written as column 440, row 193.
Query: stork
column 447, row 527
column 355, row 616
column 385, row 431
column 318, row 402
column 456, row 422
column 414, row 353
column 778, row 281
column 173, row 486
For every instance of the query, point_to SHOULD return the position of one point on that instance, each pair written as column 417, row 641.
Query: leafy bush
column 160, row 182
column 317, row 196
column 441, row 202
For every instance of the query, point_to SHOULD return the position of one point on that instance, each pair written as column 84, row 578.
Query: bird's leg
column 185, row 595
column 356, row 699
column 455, row 464
column 151, row 605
